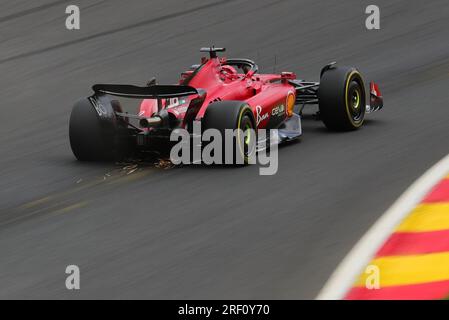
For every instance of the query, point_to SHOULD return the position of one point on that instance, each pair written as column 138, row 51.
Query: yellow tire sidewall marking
column 348, row 81
column 239, row 122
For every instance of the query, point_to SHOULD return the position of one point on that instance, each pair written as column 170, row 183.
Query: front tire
column 342, row 99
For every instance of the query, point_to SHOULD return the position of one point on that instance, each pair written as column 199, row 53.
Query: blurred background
column 199, row 232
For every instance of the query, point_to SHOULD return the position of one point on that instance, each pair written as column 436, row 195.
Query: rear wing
column 108, row 110
column 150, row 92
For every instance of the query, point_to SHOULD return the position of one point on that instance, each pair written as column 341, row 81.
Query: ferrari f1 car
column 222, row 94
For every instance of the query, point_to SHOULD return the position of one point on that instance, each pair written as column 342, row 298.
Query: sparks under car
column 221, row 94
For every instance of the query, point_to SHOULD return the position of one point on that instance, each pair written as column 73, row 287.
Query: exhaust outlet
column 150, row 122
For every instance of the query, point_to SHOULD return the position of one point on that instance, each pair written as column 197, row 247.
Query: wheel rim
column 249, row 138
column 355, row 104
column 356, row 99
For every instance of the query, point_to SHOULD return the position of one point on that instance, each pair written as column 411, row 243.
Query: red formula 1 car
column 222, row 94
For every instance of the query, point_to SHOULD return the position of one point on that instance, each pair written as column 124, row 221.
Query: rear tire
column 342, row 99
column 233, row 115
column 90, row 139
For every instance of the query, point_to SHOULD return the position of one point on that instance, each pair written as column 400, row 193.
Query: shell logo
column 290, row 103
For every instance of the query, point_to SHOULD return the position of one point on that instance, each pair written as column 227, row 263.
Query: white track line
column 344, row 277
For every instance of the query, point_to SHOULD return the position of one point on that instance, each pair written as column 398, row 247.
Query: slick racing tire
column 90, row 138
column 342, row 99
column 233, row 115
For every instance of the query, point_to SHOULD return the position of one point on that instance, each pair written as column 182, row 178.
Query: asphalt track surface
column 199, row 232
